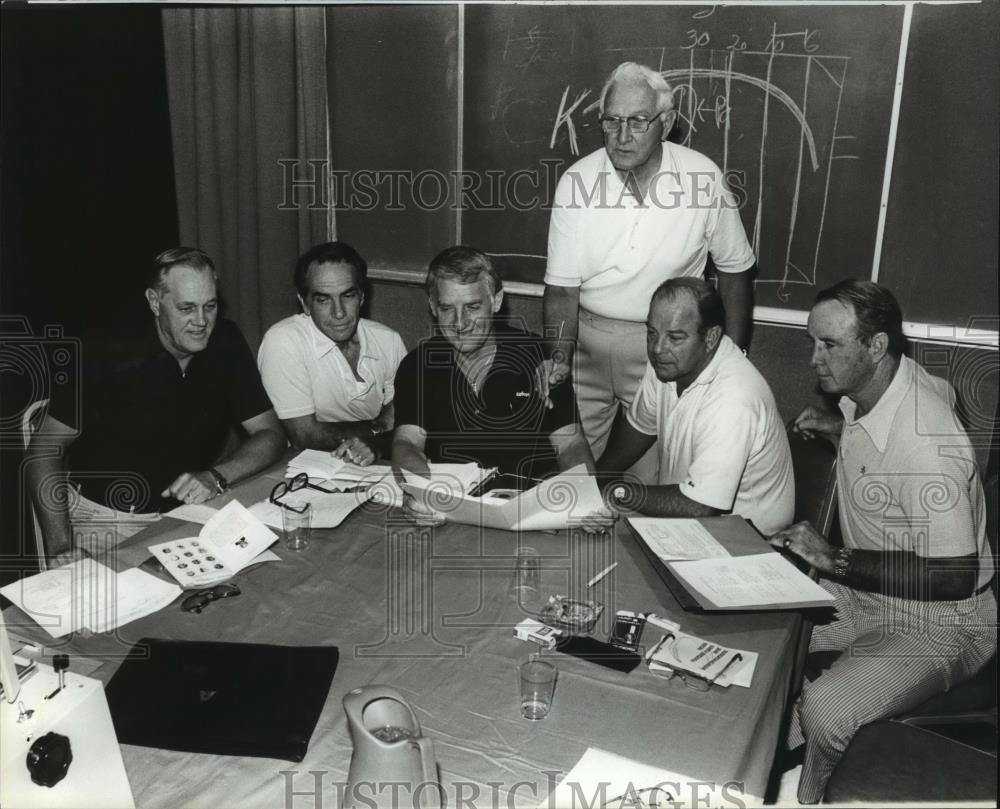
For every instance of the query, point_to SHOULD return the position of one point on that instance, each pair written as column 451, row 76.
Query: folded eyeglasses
column 197, row 601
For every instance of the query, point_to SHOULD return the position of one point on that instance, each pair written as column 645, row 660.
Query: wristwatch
column 620, row 494
column 842, row 562
column 220, row 482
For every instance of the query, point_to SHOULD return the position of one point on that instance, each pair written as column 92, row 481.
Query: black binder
column 234, row 699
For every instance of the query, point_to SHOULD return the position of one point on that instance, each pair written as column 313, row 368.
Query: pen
column 602, row 574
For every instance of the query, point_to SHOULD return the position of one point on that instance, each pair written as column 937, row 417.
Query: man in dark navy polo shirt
column 157, row 412
column 468, row 393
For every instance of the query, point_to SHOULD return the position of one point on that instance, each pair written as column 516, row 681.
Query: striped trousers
column 896, row 653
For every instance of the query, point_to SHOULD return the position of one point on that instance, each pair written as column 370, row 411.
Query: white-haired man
column 625, row 219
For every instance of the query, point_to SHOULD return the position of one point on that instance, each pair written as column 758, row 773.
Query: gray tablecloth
column 427, row 611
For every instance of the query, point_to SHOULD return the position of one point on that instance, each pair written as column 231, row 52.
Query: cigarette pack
column 538, row 632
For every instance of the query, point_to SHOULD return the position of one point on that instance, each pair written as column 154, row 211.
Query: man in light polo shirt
column 328, row 371
column 710, row 414
column 626, row 218
column 915, row 613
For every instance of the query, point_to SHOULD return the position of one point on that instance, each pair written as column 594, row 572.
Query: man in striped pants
column 915, row 613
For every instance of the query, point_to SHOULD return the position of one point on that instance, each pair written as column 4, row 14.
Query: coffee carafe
column 393, row 762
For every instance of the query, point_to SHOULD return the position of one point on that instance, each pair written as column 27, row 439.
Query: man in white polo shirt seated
column 722, row 445
column 329, row 371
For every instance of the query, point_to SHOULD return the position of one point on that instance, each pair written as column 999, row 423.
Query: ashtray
column 571, row 614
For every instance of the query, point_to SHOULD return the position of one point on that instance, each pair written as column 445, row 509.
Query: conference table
column 428, row 612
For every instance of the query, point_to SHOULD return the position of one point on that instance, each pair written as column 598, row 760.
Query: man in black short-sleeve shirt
column 506, row 424
column 469, row 393
column 157, row 410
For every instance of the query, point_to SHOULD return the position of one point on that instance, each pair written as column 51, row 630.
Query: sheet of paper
column 558, row 501
column 237, row 535
column 322, row 465
column 193, row 512
column 601, row 778
column 89, row 595
column 329, row 510
column 134, row 594
column 457, row 478
column 53, row 598
column 675, row 539
column 761, row 579
column 553, row 504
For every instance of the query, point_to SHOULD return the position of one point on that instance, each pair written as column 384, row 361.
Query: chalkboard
column 940, row 255
column 792, row 103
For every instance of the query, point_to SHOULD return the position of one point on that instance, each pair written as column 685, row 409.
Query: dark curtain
column 247, row 89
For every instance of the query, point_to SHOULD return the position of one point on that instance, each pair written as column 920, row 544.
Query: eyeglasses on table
column 197, row 601
column 690, row 679
column 300, row 481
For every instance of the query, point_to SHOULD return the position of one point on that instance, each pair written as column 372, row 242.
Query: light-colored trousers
column 608, row 367
column 897, row 653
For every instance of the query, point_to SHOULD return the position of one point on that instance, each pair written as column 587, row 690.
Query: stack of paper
column 89, row 595
column 553, row 504
column 338, row 473
column 605, row 779
column 227, row 543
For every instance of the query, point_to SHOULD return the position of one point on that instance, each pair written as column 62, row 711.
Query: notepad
column 89, row 595
column 230, row 541
column 757, row 582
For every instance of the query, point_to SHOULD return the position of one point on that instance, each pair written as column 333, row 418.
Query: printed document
column 89, row 595
column 553, row 504
column 675, row 539
column 226, row 544
column 601, row 778
column 759, row 581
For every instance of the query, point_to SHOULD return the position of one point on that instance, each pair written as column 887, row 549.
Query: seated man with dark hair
column 914, row 610
column 468, row 393
column 158, row 410
column 328, row 370
column 722, row 444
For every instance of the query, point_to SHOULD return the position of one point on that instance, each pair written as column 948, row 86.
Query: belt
column 983, row 588
column 613, row 322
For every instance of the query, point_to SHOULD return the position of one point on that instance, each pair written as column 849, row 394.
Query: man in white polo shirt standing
column 625, row 219
column 328, row 371
column 711, row 416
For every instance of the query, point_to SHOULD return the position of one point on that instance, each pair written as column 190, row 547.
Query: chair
column 30, row 422
column 814, row 464
column 974, row 700
column 891, row 761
